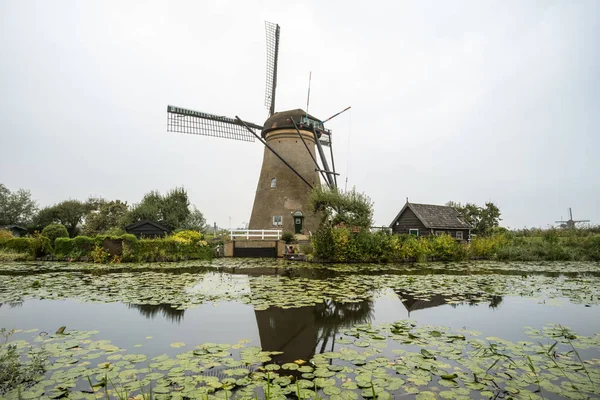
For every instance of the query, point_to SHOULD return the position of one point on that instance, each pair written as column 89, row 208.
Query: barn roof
column 144, row 222
column 435, row 217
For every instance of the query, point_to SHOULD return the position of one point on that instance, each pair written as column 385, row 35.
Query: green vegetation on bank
column 344, row 235
column 99, row 216
column 184, row 245
column 340, row 244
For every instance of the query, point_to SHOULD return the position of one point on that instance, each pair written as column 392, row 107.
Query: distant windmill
column 289, row 169
column 570, row 223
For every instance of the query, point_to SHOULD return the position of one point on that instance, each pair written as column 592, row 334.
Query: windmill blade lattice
column 182, row 120
column 272, row 58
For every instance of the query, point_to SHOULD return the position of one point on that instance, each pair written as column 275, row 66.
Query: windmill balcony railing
column 255, row 234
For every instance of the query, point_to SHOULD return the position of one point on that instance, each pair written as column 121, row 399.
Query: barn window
column 459, row 235
column 439, row 233
column 414, row 232
column 277, row 220
column 273, row 182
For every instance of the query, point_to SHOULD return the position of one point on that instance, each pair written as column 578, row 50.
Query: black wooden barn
column 429, row 219
column 147, row 229
column 16, row 230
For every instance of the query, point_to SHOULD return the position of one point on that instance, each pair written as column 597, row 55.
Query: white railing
column 255, row 234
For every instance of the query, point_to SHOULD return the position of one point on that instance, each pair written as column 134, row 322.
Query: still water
column 133, row 310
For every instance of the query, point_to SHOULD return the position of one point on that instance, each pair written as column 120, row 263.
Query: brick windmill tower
column 293, row 142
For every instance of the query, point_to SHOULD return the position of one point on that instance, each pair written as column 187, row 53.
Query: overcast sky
column 470, row 101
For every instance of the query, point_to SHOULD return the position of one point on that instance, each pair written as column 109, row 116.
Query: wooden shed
column 428, row 219
column 16, row 230
column 147, row 229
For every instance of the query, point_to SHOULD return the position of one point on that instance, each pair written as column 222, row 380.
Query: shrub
column 40, row 245
column 115, row 231
column 181, row 246
column 288, row 237
column 446, row 248
column 13, row 371
column 64, row 247
column 592, row 247
column 99, row 255
column 18, row 245
column 188, row 237
column 550, row 236
column 54, row 231
column 35, row 246
column 5, row 234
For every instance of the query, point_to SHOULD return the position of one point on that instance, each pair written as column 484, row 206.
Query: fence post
column 247, row 234
column 263, row 234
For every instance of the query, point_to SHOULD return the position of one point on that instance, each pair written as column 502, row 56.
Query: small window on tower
column 273, row 182
column 277, row 220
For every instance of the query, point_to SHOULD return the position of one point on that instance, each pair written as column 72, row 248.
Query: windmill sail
column 272, row 58
column 182, row 120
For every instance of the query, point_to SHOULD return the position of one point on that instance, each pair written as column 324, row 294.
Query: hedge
column 36, row 246
column 185, row 245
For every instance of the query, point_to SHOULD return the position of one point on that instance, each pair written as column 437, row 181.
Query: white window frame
column 439, row 233
column 459, row 235
column 410, row 232
column 273, row 183
column 278, row 220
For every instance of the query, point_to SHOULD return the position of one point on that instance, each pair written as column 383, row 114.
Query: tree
column 195, row 221
column 104, row 215
column 54, row 231
column 70, row 213
column 482, row 219
column 351, row 208
column 16, row 208
column 171, row 210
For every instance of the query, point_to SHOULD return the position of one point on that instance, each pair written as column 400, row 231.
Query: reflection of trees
column 151, row 310
column 413, row 303
column 12, row 304
column 300, row 332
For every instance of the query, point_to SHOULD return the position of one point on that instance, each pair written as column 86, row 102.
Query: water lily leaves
column 332, row 390
column 177, row 344
column 449, row 376
column 135, row 358
column 427, row 354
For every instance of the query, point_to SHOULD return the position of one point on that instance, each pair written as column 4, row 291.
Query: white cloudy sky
column 451, row 100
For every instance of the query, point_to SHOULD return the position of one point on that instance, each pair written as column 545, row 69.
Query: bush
column 40, row 245
column 54, row 231
column 14, row 372
column 288, row 237
column 5, row 234
column 18, row 245
column 592, row 247
column 188, row 237
column 64, row 247
column 446, row 248
column 168, row 249
column 35, row 246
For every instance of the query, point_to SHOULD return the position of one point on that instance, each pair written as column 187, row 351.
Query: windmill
column 570, row 223
column 290, row 168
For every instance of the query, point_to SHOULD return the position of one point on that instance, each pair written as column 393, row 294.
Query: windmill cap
column 282, row 120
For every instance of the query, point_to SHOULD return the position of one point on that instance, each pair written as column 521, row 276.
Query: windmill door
column 298, row 219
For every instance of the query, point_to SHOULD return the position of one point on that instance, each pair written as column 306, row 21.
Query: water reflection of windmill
column 413, row 303
column 570, row 223
column 302, row 332
column 290, row 168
